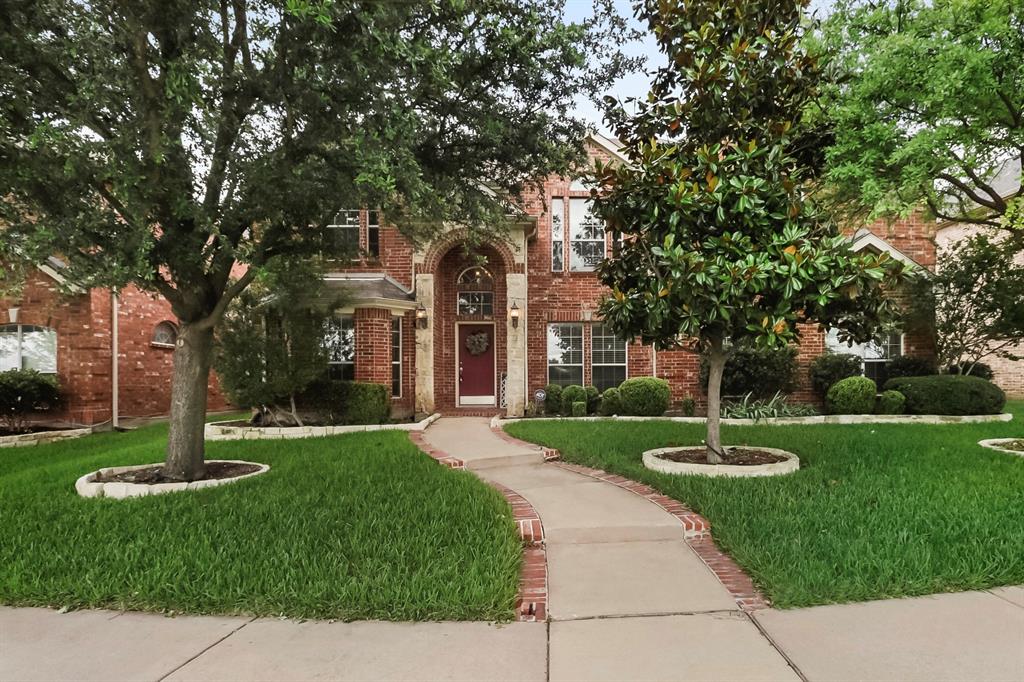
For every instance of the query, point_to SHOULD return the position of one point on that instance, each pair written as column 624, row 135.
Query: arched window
column 165, row 334
column 475, row 288
column 26, row 346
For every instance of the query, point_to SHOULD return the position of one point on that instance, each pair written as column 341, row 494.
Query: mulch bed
column 32, row 429
column 154, row 474
column 1013, row 445
column 732, row 456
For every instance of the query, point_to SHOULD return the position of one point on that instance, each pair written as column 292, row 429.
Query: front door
column 476, row 364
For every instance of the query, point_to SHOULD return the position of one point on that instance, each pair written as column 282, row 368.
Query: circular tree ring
column 998, row 443
column 88, row 486
column 657, row 460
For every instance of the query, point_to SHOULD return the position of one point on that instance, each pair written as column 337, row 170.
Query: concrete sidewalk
column 628, row 599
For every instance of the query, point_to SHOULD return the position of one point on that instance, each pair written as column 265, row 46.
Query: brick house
column 75, row 336
column 479, row 333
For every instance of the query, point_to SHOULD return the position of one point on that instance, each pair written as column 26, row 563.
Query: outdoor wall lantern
column 12, row 314
column 421, row 317
column 513, row 313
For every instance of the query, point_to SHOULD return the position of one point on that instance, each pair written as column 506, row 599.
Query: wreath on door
column 478, row 343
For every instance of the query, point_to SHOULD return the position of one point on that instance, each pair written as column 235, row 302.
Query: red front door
column 476, row 364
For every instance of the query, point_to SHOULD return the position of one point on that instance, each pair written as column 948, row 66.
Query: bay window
column 340, row 344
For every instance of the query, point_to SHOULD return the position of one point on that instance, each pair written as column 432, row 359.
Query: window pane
column 565, row 376
column 586, row 236
column 565, row 344
column 396, row 380
column 608, row 376
column 396, row 356
column 9, row 347
column 340, row 343
column 39, row 349
column 373, row 234
column 343, row 233
column 607, row 348
column 475, row 303
column 557, row 234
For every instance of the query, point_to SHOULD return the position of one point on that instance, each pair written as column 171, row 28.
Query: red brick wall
column 83, row 326
column 373, row 346
column 395, row 255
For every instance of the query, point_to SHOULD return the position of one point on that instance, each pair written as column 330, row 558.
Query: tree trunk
column 189, row 383
column 716, row 366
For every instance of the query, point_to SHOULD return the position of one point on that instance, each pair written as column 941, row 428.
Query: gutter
column 114, row 352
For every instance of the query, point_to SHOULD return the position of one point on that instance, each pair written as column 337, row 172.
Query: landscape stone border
column 88, row 487
column 654, row 462
column 696, row 528
column 994, row 443
column 227, row 431
column 41, row 437
column 794, row 421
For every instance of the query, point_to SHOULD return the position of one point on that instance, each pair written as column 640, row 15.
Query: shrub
column 829, row 368
column 531, row 409
column 951, row 394
column 24, row 391
column 579, row 408
column 644, row 396
column 891, row 402
column 762, row 408
column 852, row 395
column 905, row 366
column 611, row 403
column 593, row 399
column 688, row 406
column 978, row 369
column 347, row 402
column 756, row 370
column 570, row 395
column 552, row 399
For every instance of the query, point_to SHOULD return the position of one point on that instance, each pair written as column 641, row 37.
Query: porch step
column 485, row 462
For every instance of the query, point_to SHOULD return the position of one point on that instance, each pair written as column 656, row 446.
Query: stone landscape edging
column 652, row 461
column 41, row 437
column 696, row 528
column 994, row 443
column 119, row 490
column 224, row 431
column 791, row 421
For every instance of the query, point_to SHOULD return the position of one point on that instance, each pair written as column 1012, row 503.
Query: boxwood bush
column 572, row 394
column 593, row 399
column 756, row 371
column 891, row 402
column 579, row 408
column 347, row 402
column 610, row 403
column 829, row 368
column 22, row 392
column 905, row 366
column 644, row 396
column 552, row 399
column 978, row 369
column 852, row 395
column 949, row 394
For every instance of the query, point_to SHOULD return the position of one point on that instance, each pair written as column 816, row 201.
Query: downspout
column 114, row 352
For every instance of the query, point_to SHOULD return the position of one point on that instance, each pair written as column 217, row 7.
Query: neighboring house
column 73, row 336
column 1009, row 374
column 481, row 333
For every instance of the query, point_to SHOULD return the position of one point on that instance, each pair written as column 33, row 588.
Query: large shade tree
column 927, row 106
column 181, row 145
column 723, row 242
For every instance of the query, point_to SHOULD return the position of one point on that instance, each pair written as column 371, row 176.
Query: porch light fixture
column 421, row 317
column 513, row 314
column 12, row 314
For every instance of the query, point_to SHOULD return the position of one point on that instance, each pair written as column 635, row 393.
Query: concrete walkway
column 628, row 600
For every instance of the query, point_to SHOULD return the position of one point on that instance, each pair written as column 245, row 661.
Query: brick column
column 373, row 346
column 425, row 346
column 515, row 388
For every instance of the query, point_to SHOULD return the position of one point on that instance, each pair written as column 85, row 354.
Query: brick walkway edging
column 696, row 529
column 532, row 600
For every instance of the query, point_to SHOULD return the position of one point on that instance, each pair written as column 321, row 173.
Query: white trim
column 607, row 145
column 473, row 400
column 400, row 363
column 865, row 238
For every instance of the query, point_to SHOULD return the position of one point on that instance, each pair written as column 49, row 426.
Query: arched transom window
column 165, row 334
column 26, row 346
column 475, row 288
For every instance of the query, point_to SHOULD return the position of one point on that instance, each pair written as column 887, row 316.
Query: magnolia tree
column 182, row 145
column 722, row 241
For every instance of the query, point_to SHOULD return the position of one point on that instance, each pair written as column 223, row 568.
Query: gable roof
column 866, row 239
column 609, row 144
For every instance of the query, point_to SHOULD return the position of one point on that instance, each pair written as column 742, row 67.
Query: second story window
column 343, row 233
column 557, row 234
column 586, row 237
column 373, row 234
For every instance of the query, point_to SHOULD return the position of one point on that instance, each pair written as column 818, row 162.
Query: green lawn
column 876, row 510
column 350, row 527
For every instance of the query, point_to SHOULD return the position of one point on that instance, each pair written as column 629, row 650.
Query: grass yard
column 349, row 527
column 876, row 511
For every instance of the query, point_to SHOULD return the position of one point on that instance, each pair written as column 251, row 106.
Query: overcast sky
column 635, row 84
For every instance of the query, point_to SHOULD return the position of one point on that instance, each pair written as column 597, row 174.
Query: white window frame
column 373, row 234
column 19, row 358
column 582, row 351
column 576, row 221
column 869, row 352
column 476, row 297
column 341, row 320
column 593, row 363
column 346, row 220
column 558, row 234
column 396, row 324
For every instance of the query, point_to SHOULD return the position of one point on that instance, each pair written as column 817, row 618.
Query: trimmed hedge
column 347, row 402
column 852, row 395
column 24, row 391
column 891, row 402
column 755, row 370
column 572, row 394
column 611, row 403
column 552, row 399
column 949, row 394
column 829, row 368
column 593, row 399
column 644, row 396
column 905, row 366
column 579, row 408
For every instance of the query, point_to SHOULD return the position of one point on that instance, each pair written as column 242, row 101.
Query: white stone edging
column 224, row 431
column 793, row 421
column 994, row 443
column 87, row 487
column 666, row 466
column 41, row 437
